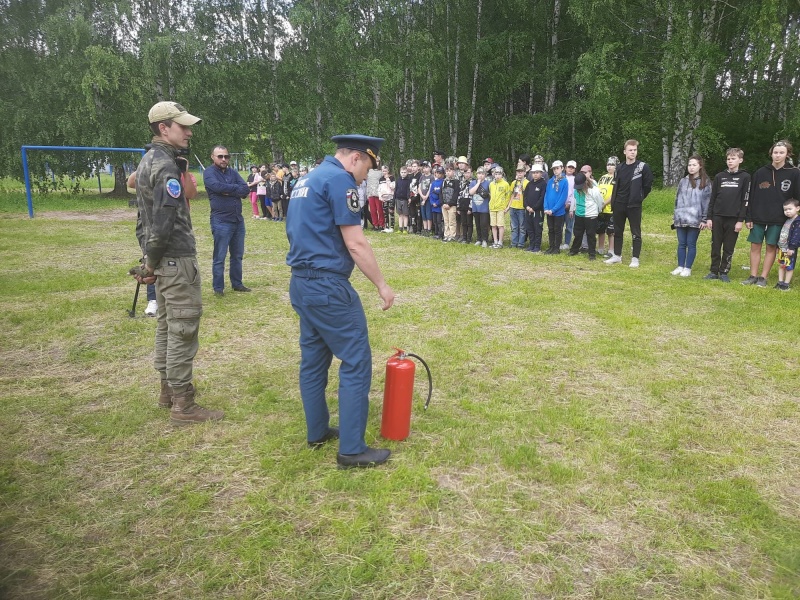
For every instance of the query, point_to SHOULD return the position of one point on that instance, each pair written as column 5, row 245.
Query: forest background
column 571, row 79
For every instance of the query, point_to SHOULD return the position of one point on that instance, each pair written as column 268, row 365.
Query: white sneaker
column 152, row 308
column 686, row 272
column 564, row 247
column 634, row 263
column 484, row 245
column 388, row 230
column 677, row 271
column 477, row 243
column 613, row 260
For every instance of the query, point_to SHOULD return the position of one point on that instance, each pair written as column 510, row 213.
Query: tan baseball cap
column 171, row 111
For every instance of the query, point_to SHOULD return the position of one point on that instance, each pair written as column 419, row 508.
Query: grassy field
column 595, row 431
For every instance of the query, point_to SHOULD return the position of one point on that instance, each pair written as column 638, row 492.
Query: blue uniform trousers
column 332, row 322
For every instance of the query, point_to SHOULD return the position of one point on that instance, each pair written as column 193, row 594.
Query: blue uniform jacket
column 322, row 201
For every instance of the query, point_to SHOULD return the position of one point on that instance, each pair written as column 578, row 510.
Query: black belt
column 316, row 273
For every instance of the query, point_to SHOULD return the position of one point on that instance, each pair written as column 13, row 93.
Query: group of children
column 445, row 200
column 766, row 203
column 271, row 188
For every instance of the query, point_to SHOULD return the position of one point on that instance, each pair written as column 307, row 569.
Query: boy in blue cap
column 324, row 246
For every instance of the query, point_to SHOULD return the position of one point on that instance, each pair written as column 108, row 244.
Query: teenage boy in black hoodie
column 726, row 213
column 771, row 186
column 633, row 181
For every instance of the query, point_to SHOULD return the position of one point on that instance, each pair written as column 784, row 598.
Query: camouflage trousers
column 180, row 307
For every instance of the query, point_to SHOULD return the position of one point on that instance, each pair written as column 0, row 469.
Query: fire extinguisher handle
column 430, row 378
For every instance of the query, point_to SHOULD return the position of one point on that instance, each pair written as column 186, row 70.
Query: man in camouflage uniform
column 164, row 230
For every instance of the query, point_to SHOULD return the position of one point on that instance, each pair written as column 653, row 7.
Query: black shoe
column 572, row 253
column 219, row 293
column 371, row 457
column 724, row 277
column 242, row 288
column 711, row 276
column 333, row 434
column 750, row 280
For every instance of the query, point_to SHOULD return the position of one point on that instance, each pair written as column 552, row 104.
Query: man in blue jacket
column 226, row 188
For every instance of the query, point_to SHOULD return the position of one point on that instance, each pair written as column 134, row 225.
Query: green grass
column 595, row 431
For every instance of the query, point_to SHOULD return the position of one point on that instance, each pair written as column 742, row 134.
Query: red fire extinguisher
column 397, row 395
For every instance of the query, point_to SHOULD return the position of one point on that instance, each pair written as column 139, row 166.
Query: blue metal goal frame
column 59, row 148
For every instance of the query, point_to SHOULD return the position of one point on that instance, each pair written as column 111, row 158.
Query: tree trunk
column 433, row 114
column 449, row 67
column 120, row 182
column 553, row 60
column 454, row 129
column 530, row 92
column 471, row 134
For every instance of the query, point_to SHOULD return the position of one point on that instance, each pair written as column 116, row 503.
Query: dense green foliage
column 568, row 78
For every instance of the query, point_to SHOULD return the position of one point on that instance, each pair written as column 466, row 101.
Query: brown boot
column 185, row 411
column 165, row 398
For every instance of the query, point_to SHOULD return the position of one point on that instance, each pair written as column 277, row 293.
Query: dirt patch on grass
column 111, row 215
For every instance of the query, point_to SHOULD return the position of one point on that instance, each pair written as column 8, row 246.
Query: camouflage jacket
column 163, row 227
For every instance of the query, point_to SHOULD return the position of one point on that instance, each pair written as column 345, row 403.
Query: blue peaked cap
column 363, row 143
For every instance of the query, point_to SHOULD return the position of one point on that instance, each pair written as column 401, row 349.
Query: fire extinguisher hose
column 430, row 379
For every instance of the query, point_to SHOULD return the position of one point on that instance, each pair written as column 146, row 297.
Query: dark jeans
column 481, row 226
column 151, row 292
column 534, row 224
column 723, row 237
column 438, row 224
column 633, row 214
column 227, row 237
column 555, row 225
column 414, row 221
column 465, row 220
column 588, row 226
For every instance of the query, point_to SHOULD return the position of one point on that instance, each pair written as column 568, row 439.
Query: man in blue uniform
column 325, row 243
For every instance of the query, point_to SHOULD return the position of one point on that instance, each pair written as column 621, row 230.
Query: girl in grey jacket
column 691, row 206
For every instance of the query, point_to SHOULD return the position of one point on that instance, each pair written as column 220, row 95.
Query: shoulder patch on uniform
column 352, row 200
column 173, row 187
